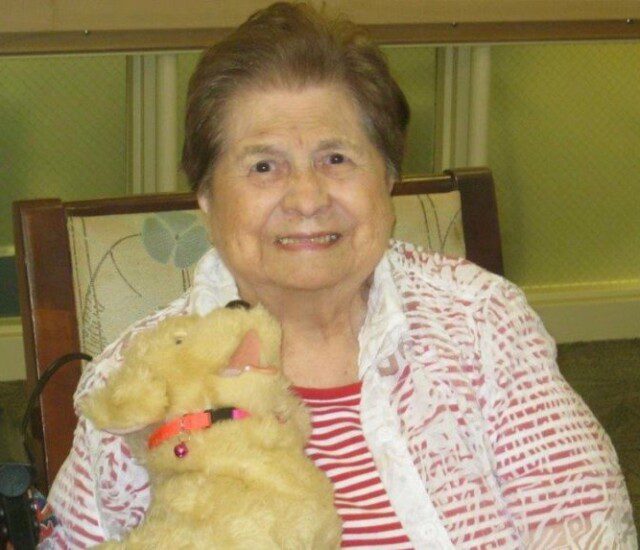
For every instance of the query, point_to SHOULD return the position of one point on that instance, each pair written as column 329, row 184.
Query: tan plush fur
column 244, row 483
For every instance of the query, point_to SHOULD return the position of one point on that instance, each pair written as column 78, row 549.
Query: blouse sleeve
column 557, row 468
column 99, row 493
column 73, row 498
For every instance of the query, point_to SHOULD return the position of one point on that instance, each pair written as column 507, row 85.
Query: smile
column 302, row 240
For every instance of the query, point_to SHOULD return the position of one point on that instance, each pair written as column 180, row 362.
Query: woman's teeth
column 320, row 239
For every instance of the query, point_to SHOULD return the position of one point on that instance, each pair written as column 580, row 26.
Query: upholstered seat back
column 432, row 221
column 127, row 265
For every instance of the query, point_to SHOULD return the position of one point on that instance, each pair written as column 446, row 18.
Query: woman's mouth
column 310, row 241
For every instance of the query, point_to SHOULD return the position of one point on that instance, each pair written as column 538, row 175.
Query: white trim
column 149, row 129
column 134, row 124
column 461, row 106
column 585, row 312
column 7, row 251
column 444, row 108
column 152, row 123
column 141, row 124
column 167, row 123
column 480, row 91
column 11, row 350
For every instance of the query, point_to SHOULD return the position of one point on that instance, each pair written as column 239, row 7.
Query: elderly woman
column 440, row 414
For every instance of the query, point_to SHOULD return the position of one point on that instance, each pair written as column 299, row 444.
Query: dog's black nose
column 238, row 304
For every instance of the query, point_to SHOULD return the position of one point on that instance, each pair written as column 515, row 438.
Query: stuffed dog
column 206, row 408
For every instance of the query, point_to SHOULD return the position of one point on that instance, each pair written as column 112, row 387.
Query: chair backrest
column 88, row 269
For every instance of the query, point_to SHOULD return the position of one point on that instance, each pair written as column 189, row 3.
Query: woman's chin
column 304, row 279
column 309, row 276
column 336, row 267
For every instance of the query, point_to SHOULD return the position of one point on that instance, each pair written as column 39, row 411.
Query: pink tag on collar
column 239, row 414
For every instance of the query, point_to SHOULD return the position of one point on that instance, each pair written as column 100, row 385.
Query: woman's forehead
column 319, row 116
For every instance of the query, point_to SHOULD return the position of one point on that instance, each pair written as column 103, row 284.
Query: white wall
column 11, row 351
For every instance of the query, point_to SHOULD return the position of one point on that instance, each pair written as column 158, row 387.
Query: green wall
column 565, row 150
column 414, row 67
column 62, row 130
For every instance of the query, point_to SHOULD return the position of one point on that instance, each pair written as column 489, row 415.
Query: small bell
column 181, row 450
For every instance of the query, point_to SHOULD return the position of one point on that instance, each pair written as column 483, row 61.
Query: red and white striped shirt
column 337, row 446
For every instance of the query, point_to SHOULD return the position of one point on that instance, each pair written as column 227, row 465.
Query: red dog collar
column 194, row 421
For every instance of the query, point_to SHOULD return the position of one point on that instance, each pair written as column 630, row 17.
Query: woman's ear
column 204, row 202
column 204, row 198
column 391, row 180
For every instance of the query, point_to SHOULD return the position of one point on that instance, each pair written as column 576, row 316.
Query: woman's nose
column 307, row 194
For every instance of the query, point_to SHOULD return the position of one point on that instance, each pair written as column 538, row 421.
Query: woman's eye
column 336, row 158
column 262, row 167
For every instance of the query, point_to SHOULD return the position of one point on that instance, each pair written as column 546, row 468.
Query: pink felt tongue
column 248, row 352
column 246, row 357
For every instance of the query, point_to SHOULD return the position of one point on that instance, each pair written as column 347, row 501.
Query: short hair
column 291, row 45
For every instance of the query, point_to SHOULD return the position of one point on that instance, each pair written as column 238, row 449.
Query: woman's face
column 299, row 197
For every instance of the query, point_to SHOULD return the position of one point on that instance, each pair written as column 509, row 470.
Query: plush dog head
column 188, row 364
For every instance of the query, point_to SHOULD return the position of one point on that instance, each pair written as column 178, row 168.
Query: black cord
column 51, row 369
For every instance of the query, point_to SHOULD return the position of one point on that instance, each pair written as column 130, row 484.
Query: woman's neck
column 320, row 332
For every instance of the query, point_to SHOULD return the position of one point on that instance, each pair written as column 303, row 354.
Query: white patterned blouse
column 478, row 439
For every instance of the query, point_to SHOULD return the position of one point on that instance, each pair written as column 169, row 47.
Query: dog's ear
column 133, row 397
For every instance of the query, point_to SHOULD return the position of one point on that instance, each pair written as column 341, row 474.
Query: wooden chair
column 61, row 285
